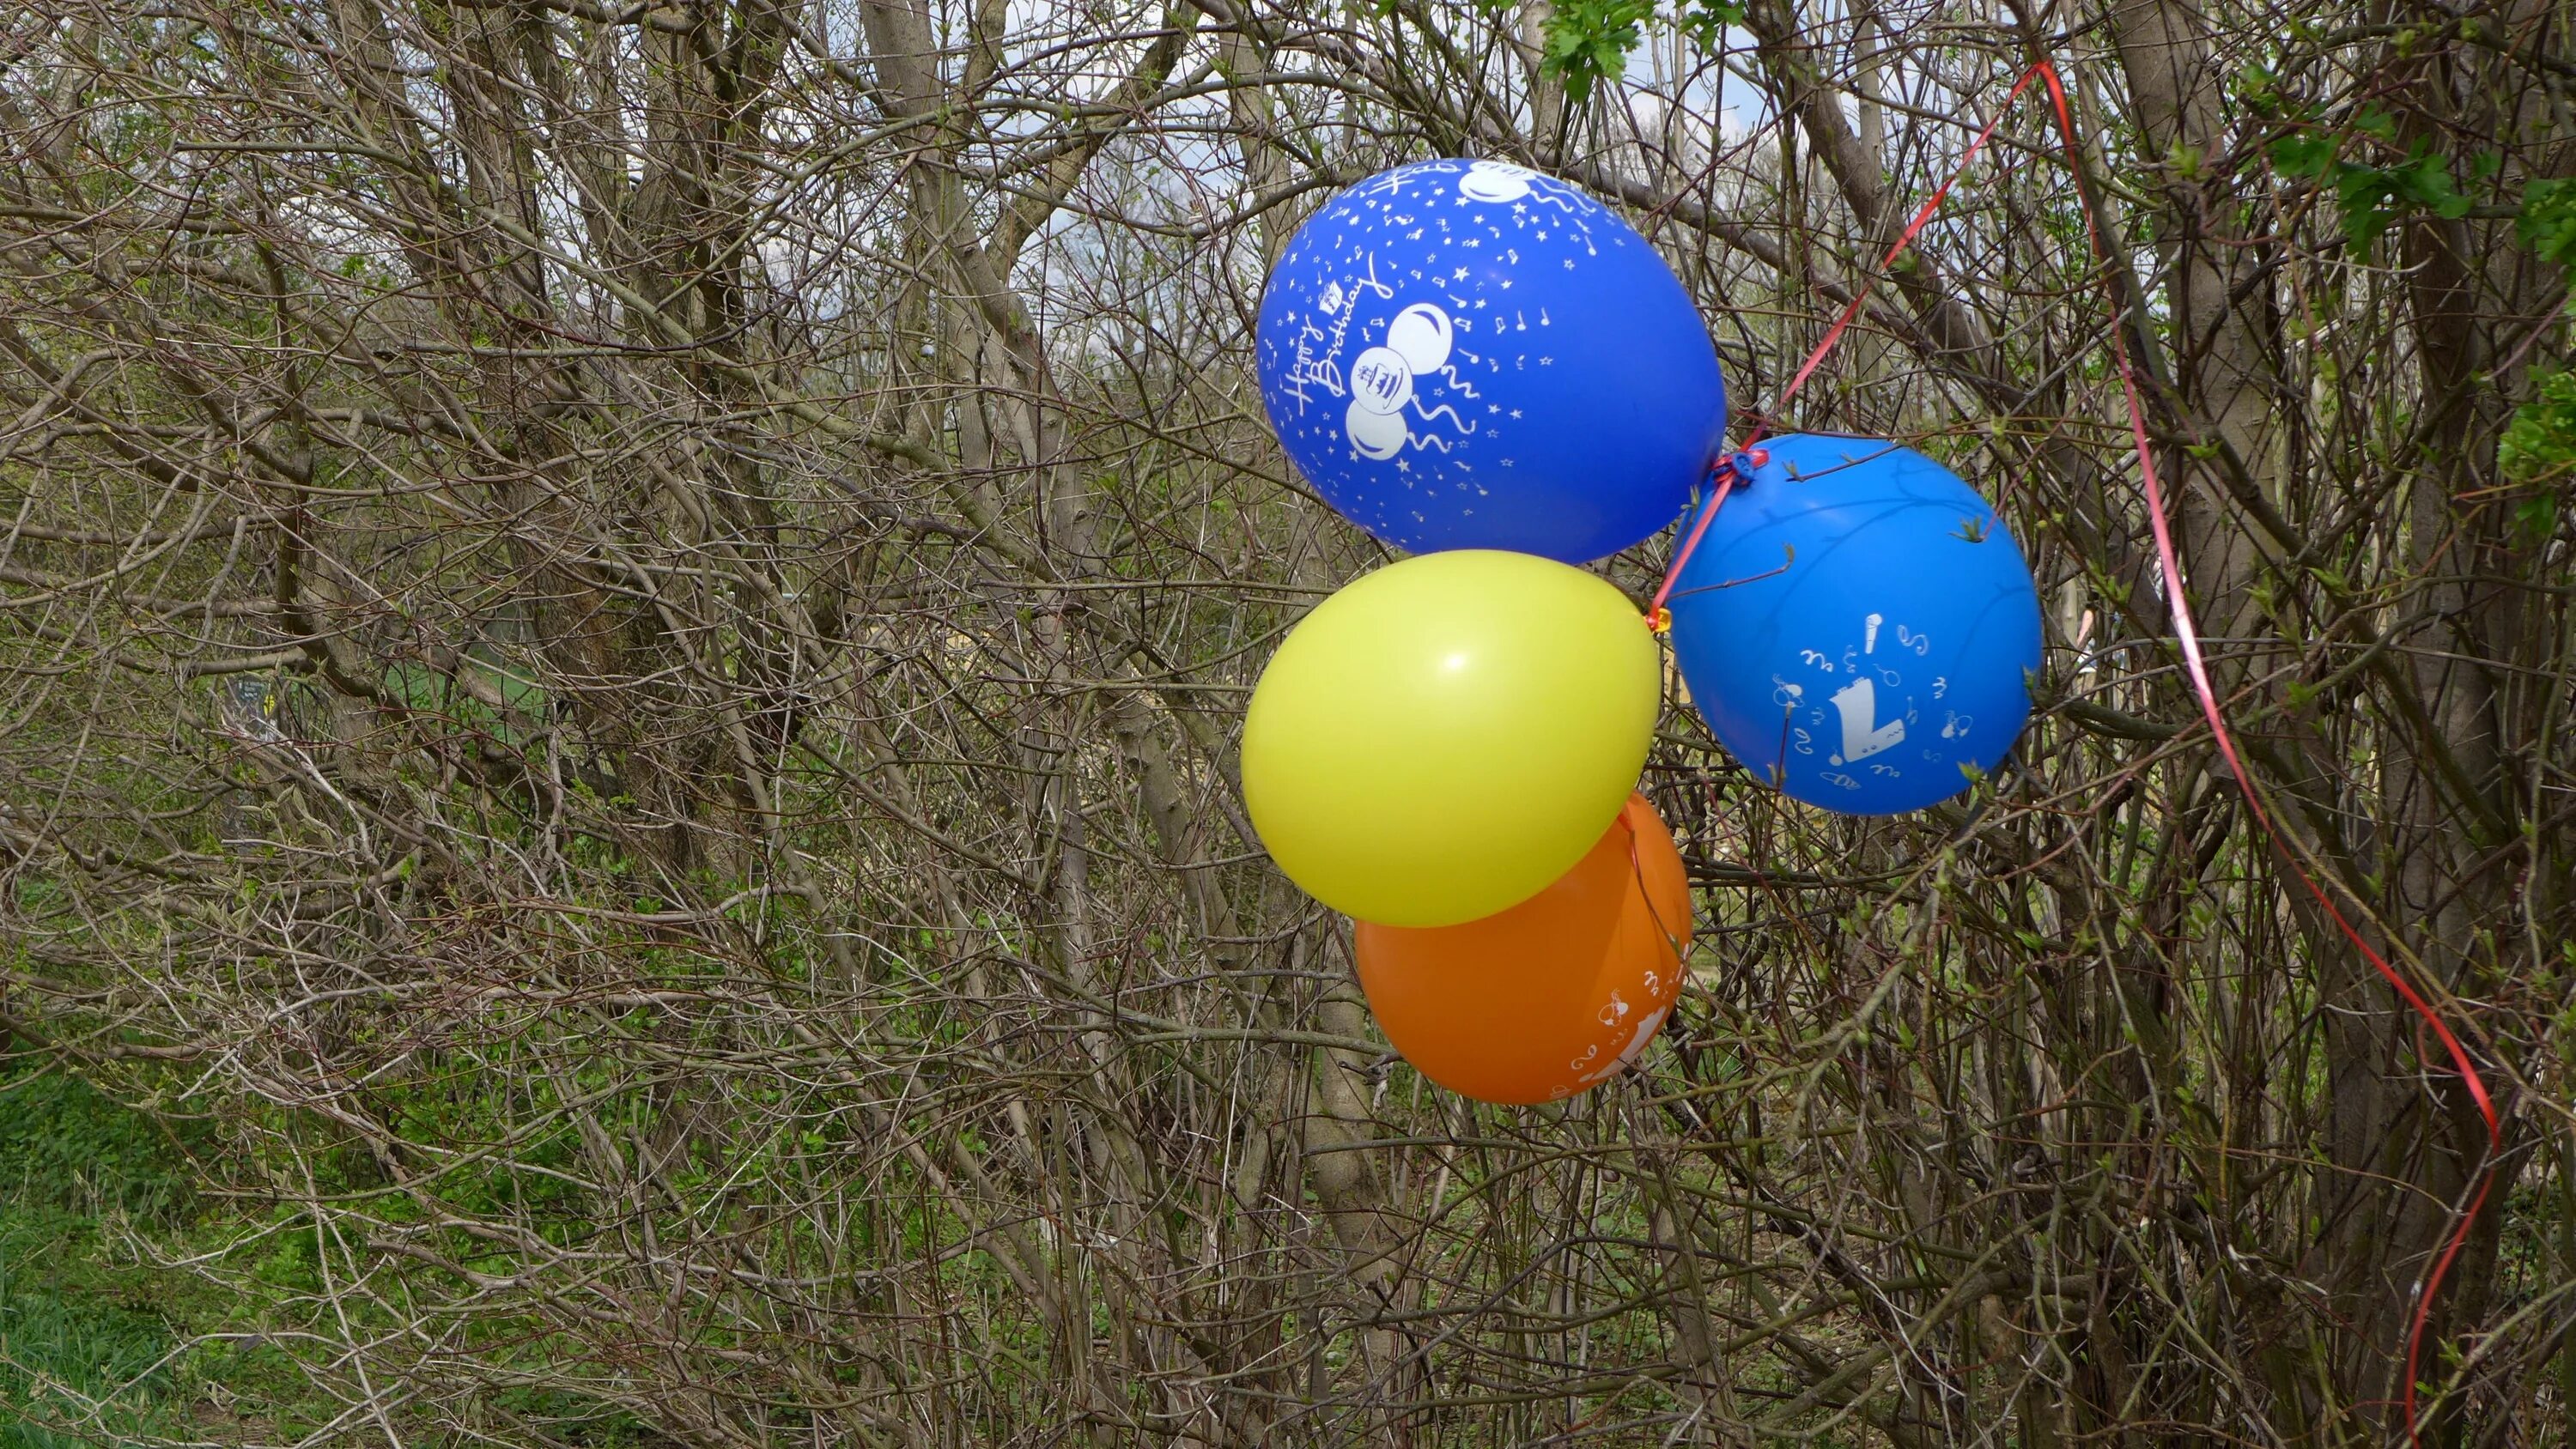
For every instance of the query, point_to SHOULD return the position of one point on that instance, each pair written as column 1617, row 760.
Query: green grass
column 84, row 1341
column 71, row 1357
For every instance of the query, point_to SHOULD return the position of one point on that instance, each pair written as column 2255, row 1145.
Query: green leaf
column 2425, row 181
column 2363, row 194
column 2547, row 224
column 2535, row 518
column 2303, row 156
column 2540, row 442
column 1588, row 41
column 1706, row 21
column 2258, row 88
column 2374, row 198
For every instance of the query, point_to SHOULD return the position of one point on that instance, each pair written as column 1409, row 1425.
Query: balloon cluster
column 1488, row 368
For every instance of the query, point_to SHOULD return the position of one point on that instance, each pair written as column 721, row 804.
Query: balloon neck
column 1659, row 620
column 1742, row 464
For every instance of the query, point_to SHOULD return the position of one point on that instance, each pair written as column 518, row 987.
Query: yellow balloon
column 1443, row 738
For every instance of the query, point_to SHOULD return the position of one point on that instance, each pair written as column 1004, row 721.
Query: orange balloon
column 1553, row 996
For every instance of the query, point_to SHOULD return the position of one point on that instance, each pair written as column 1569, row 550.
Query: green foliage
column 1588, row 41
column 2539, row 446
column 91, row 1326
column 65, row 1147
column 1706, row 21
column 2258, row 88
column 2547, row 224
column 2374, row 197
column 2371, row 199
column 574, row 1417
column 2541, row 443
column 2304, row 155
column 68, row 1355
column 80, row 1343
column 430, row 692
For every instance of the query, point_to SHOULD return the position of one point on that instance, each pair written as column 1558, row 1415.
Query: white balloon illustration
column 1495, row 181
column 1381, row 380
column 1417, row 342
column 1420, row 335
column 1376, row 435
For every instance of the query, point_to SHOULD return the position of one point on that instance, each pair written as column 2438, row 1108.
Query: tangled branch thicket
column 623, row 630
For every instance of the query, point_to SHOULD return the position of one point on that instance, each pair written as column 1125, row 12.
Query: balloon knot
column 1659, row 620
column 1742, row 464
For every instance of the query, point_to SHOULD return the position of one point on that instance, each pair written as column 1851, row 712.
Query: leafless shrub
column 623, row 630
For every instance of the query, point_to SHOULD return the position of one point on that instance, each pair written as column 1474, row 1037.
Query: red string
column 1660, row 618
column 2186, row 635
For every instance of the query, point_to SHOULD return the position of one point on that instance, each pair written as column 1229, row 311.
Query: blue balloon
column 1857, row 626
column 1465, row 354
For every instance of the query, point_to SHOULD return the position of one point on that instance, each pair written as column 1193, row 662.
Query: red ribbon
column 1658, row 617
column 2187, row 638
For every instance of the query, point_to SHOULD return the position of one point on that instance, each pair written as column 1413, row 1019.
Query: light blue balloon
column 1858, row 626
column 1465, row 354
